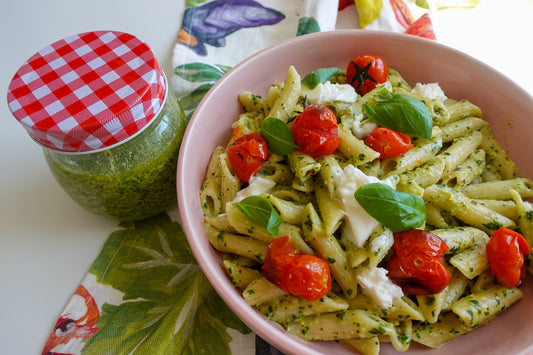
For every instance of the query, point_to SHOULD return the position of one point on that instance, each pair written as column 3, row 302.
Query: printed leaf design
column 193, row 3
column 198, row 73
column 307, row 25
column 170, row 307
column 464, row 4
column 369, row 11
column 192, row 100
column 201, row 72
column 423, row 4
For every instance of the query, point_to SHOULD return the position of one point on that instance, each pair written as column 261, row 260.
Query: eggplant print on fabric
column 211, row 22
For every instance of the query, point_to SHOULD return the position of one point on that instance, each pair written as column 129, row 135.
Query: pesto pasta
column 468, row 185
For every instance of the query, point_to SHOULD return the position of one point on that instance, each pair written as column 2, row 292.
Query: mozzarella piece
column 257, row 186
column 328, row 92
column 363, row 129
column 378, row 286
column 432, row 91
column 379, row 243
column 358, row 223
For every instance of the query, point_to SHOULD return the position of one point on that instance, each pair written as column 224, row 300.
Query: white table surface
column 47, row 242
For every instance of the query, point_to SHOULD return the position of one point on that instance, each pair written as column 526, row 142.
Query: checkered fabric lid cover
column 88, row 91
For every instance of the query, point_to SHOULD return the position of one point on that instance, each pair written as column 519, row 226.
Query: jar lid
column 88, row 91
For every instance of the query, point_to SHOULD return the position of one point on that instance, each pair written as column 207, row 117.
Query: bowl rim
column 249, row 315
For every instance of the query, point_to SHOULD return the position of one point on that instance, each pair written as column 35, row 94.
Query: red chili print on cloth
column 423, row 27
column 402, row 13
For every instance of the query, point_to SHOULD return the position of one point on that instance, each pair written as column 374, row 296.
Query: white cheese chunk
column 432, row 91
column 358, row 223
column 328, row 92
column 257, row 186
column 378, row 286
column 381, row 242
column 363, row 129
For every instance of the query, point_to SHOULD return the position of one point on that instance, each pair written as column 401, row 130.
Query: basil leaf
column 278, row 135
column 383, row 95
column 318, row 76
column 401, row 113
column 261, row 212
column 398, row 211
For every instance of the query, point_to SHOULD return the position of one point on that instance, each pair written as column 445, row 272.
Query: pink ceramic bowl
column 508, row 107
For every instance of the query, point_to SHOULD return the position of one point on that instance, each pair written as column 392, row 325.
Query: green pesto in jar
column 130, row 181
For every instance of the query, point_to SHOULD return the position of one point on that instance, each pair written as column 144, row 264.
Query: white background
column 47, row 242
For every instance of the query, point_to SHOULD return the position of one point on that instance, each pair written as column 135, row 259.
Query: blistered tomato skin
column 506, row 252
column 316, row 131
column 365, row 71
column 247, row 155
column 418, row 265
column 388, row 142
column 303, row 275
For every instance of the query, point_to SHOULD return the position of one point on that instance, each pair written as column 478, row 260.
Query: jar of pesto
column 99, row 105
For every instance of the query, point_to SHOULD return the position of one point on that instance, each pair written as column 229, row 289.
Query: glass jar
column 132, row 181
column 116, row 154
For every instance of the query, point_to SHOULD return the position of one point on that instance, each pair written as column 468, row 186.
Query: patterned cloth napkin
column 145, row 293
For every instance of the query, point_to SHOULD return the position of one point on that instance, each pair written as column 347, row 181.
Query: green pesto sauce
column 131, row 181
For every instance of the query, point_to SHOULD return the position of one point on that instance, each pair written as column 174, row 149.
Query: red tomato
column 506, row 250
column 388, row 142
column 315, row 131
column 417, row 265
column 365, row 71
column 302, row 275
column 247, row 155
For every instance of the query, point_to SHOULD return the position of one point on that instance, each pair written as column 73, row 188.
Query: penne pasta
column 480, row 307
column 462, row 207
column 286, row 102
column 328, row 248
column 500, row 190
column 469, row 189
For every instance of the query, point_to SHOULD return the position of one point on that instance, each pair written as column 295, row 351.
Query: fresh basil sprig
column 401, row 113
column 398, row 211
column 261, row 212
column 278, row 135
column 318, row 76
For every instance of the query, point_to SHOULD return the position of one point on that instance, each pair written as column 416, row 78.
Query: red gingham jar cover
column 88, row 92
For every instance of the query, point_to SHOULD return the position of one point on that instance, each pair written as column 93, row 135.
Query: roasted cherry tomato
column 247, row 155
column 315, row 131
column 417, row 265
column 506, row 252
column 365, row 71
column 388, row 142
column 303, row 275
